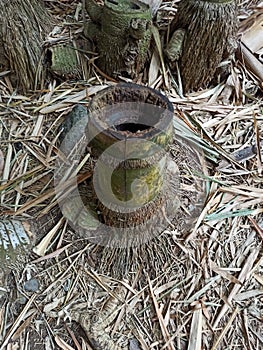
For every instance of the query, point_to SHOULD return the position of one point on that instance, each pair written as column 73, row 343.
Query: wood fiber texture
column 210, row 38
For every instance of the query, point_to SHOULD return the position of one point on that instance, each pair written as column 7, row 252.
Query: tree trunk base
column 24, row 25
column 210, row 36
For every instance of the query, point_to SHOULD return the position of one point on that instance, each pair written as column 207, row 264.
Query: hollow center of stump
column 132, row 127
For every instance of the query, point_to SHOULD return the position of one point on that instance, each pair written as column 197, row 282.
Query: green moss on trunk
column 121, row 30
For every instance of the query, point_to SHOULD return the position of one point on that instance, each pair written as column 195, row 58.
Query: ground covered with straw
column 208, row 293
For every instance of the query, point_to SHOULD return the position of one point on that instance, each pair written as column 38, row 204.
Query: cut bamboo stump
column 133, row 192
column 131, row 130
column 143, row 174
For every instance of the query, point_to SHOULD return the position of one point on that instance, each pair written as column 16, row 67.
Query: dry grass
column 210, row 295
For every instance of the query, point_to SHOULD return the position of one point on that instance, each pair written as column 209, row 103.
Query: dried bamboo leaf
column 254, row 65
column 251, row 294
column 62, row 344
column 17, row 322
column 195, row 339
column 224, row 273
column 77, row 344
column 154, row 68
column 2, row 162
column 157, row 40
column 41, row 248
column 258, row 144
column 23, row 326
column 244, row 275
column 163, row 327
column 253, row 37
column 225, row 329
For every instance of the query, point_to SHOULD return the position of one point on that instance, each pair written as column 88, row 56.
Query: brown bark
column 210, row 28
column 24, row 25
